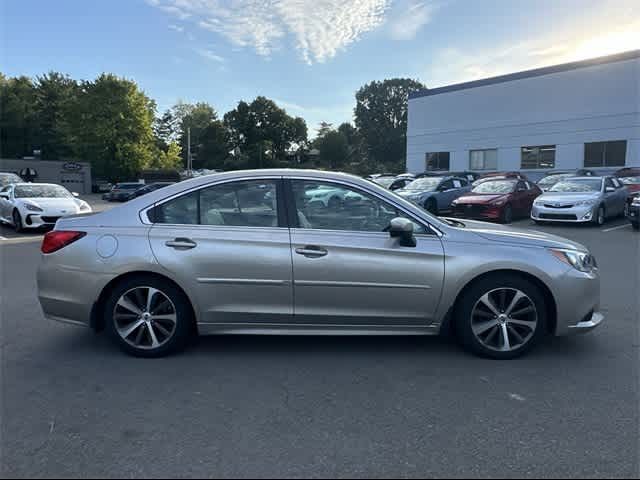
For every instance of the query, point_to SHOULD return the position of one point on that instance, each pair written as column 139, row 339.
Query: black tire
column 507, row 214
column 431, row 206
column 601, row 216
column 539, row 222
column 17, row 222
column 184, row 326
column 471, row 296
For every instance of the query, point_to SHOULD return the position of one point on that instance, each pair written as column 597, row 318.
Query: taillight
column 57, row 239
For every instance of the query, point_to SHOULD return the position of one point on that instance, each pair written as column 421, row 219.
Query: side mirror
column 402, row 229
column 75, row 194
column 610, row 190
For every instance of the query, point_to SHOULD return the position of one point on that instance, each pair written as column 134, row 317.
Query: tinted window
column 327, row 206
column 244, row 204
column 538, row 157
column 437, row 161
column 605, row 154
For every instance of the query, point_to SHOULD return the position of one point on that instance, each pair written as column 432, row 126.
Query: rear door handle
column 181, row 243
column 311, row 251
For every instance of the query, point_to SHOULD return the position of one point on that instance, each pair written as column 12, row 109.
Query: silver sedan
column 248, row 253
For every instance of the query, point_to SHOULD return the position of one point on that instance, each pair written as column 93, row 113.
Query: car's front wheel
column 17, row 221
column 507, row 214
column 501, row 317
column 601, row 216
column 149, row 317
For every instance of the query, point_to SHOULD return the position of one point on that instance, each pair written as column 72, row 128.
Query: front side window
column 605, row 154
column 538, row 157
column 437, row 161
column 483, row 159
column 328, row 206
column 241, row 204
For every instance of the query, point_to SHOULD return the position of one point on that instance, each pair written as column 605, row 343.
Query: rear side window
column 243, row 204
column 457, row 184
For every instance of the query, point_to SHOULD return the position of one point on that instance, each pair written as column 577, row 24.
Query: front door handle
column 311, row 251
column 181, row 243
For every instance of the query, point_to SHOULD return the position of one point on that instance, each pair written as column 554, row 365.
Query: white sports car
column 35, row 205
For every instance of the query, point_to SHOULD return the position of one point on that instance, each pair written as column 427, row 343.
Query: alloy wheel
column 145, row 318
column 504, row 319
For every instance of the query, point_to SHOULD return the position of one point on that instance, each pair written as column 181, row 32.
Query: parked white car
column 36, row 205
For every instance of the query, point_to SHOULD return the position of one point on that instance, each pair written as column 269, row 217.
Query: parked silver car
column 249, row 252
column 581, row 199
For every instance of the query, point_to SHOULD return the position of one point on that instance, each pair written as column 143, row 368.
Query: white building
column 578, row 115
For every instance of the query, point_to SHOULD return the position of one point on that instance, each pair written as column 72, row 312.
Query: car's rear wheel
column 17, row 221
column 501, row 317
column 148, row 317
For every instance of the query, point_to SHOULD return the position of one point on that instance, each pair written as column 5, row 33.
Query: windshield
column 427, row 184
column 501, row 186
column 630, row 180
column 41, row 191
column 385, row 181
column 9, row 178
column 578, row 185
column 553, row 179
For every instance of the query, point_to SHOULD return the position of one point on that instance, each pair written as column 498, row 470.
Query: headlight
column 586, row 202
column 84, row 206
column 581, row 261
column 636, row 202
column 33, row 208
column 499, row 201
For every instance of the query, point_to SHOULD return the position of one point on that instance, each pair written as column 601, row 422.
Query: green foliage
column 381, row 118
column 171, row 159
column 261, row 133
column 113, row 127
column 17, row 117
column 334, row 150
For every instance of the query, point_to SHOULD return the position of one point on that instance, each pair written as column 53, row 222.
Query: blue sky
column 308, row 55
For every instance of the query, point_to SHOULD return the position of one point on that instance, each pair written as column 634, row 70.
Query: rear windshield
column 500, row 186
column 128, row 186
column 41, row 191
column 578, row 185
column 9, row 178
column 385, row 181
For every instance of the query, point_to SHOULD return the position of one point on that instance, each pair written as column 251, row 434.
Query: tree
column 381, row 119
column 334, row 150
column 171, row 159
column 166, row 129
column 324, row 128
column 261, row 133
column 56, row 101
column 214, row 146
column 197, row 118
column 113, row 127
column 17, row 117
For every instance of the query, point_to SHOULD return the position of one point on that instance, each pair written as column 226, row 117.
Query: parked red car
column 630, row 176
column 499, row 200
column 500, row 176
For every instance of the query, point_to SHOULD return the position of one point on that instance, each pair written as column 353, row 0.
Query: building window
column 543, row 156
column 483, row 159
column 437, row 160
column 605, row 154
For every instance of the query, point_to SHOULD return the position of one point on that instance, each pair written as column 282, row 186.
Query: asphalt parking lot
column 73, row 405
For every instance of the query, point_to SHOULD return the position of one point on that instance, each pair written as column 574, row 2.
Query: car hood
column 475, row 199
column 520, row 236
column 555, row 197
column 52, row 203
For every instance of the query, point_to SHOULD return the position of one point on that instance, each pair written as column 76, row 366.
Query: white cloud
column 176, row 28
column 319, row 28
column 210, row 55
column 409, row 19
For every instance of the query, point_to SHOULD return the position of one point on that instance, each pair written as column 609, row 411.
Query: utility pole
column 189, row 166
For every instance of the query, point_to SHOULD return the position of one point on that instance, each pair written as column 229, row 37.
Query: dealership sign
column 72, row 166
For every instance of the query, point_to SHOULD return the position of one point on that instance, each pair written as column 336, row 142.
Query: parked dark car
column 101, row 186
column 551, row 178
column 148, row 189
column 499, row 200
column 121, row 191
column 633, row 210
column 435, row 194
column 628, row 172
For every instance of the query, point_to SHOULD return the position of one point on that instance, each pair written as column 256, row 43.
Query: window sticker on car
column 457, row 184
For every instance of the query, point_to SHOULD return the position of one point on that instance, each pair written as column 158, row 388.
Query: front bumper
column 476, row 211
column 575, row 214
column 589, row 323
column 634, row 214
